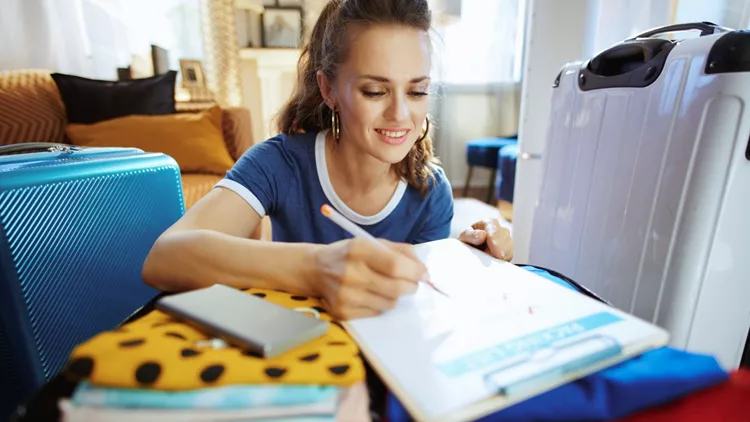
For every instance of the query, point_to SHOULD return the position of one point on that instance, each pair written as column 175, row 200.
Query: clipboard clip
column 548, row 364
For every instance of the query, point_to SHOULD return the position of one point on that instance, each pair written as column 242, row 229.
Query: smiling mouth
column 392, row 134
column 393, row 137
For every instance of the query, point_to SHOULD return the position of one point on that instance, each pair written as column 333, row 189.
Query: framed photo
column 192, row 73
column 282, row 27
column 160, row 59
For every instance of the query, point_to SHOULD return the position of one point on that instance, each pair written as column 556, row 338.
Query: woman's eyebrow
column 386, row 80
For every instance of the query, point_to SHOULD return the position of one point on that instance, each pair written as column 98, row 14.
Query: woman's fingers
column 389, row 288
column 403, row 248
column 343, row 312
column 473, row 236
column 500, row 246
column 492, row 235
column 389, row 262
column 353, row 303
column 499, row 241
column 408, row 250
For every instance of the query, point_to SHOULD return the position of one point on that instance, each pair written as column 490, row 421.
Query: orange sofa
column 31, row 110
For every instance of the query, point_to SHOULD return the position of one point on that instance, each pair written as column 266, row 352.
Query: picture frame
column 159, row 59
column 282, row 27
column 192, row 73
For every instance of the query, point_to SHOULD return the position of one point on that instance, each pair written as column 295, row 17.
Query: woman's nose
column 398, row 109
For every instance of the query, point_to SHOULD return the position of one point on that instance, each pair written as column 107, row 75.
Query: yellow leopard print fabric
column 162, row 353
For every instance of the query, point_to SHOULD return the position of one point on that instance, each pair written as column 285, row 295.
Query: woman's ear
column 326, row 89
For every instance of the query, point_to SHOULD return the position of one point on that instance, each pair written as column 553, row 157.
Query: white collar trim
column 336, row 202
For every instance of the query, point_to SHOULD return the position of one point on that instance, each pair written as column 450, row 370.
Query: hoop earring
column 426, row 130
column 335, row 125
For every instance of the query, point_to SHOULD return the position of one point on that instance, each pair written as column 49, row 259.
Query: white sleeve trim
column 245, row 194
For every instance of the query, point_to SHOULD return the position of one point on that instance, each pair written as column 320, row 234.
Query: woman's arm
column 211, row 244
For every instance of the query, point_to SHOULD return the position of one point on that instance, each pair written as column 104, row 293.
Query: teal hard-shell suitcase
column 76, row 225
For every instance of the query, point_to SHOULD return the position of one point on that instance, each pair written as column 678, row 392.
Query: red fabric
column 728, row 402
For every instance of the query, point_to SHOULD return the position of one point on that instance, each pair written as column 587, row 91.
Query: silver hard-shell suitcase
column 646, row 185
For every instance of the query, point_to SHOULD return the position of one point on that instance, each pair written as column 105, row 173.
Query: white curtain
column 92, row 38
column 47, row 34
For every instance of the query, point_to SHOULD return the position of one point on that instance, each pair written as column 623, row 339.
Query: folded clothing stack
column 159, row 368
column 243, row 402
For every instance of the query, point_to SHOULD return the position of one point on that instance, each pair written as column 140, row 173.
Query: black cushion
column 92, row 100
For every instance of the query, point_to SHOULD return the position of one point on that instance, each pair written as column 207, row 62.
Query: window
column 483, row 46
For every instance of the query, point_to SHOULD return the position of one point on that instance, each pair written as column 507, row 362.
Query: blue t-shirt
column 286, row 178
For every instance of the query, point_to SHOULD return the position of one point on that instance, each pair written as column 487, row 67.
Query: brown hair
column 325, row 50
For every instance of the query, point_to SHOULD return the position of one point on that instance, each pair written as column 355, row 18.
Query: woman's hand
column 357, row 278
column 491, row 237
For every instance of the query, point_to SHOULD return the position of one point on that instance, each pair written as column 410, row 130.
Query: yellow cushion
column 162, row 353
column 194, row 140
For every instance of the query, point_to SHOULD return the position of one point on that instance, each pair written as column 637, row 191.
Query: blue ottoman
column 483, row 152
column 506, row 172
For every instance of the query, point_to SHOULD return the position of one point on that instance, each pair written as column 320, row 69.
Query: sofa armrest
column 237, row 130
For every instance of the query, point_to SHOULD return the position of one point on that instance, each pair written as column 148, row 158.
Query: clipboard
column 503, row 335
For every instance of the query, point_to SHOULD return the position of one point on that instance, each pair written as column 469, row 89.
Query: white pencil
column 357, row 231
column 347, row 225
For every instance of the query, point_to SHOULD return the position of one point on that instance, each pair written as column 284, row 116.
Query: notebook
column 502, row 335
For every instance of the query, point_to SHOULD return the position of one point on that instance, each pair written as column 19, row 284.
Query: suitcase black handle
column 706, row 28
column 627, row 56
column 638, row 61
column 36, row 147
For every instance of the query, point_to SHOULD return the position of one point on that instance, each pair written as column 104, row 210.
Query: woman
column 354, row 135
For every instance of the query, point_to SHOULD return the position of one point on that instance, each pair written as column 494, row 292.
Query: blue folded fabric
column 225, row 398
column 653, row 378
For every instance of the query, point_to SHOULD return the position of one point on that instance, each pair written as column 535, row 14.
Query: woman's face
column 381, row 90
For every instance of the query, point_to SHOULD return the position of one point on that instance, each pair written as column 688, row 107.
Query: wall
column 463, row 113
column 567, row 27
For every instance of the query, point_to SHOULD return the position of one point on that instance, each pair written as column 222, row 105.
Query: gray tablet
column 243, row 320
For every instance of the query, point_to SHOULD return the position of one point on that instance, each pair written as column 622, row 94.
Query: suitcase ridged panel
column 78, row 246
column 614, row 163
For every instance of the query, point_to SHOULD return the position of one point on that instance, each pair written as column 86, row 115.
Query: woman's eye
column 419, row 93
column 373, row 94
